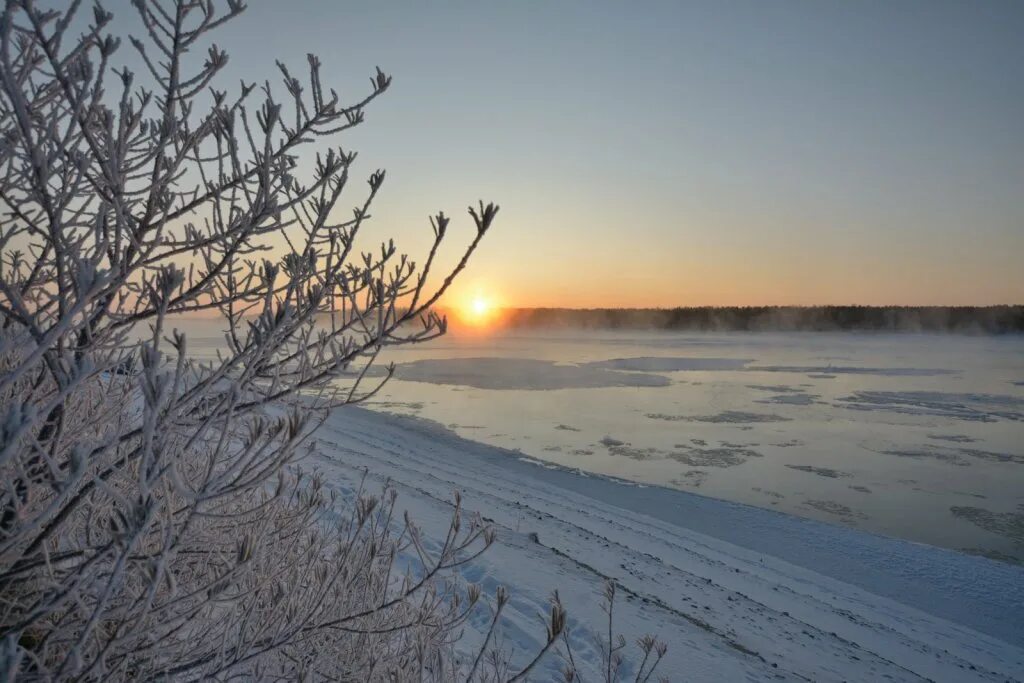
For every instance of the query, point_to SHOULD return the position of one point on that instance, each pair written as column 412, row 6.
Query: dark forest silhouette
column 958, row 319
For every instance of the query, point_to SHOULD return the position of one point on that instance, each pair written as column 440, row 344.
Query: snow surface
column 738, row 593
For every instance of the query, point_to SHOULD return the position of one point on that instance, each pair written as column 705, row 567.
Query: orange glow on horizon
column 478, row 312
column 475, row 307
column 480, row 307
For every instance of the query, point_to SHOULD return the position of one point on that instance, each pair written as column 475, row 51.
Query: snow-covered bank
column 738, row 593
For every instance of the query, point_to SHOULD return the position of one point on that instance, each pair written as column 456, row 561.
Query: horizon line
column 744, row 306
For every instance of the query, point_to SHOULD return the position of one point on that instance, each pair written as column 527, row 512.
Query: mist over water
column 958, row 319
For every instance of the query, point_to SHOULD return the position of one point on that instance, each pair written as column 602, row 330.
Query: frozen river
column 915, row 436
column 918, row 437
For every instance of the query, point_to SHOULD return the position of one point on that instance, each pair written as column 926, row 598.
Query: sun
column 480, row 307
column 478, row 310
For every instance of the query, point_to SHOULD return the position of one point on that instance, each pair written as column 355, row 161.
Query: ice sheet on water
column 726, row 416
column 776, row 388
column 828, row 370
column 670, row 364
column 791, row 399
column 900, row 428
column 1007, row 524
column 961, row 406
column 520, row 373
column 726, row 455
column 820, row 471
column 954, row 438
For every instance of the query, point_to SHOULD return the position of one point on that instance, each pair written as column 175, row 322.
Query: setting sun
column 480, row 307
column 476, row 307
column 478, row 311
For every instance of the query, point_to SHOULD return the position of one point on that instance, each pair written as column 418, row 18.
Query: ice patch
column 627, row 451
column 409, row 405
column 832, row 370
column 993, row 456
column 728, row 416
column 775, row 388
column 714, row 457
column 956, row 456
column 670, row 364
column 961, row 406
column 955, row 438
column 929, row 453
column 729, row 455
column 833, row 508
column 820, row 471
column 793, row 399
column 520, row 373
column 1007, row 524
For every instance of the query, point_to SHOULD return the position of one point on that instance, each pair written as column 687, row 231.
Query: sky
column 656, row 154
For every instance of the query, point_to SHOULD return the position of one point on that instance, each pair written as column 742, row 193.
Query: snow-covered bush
column 612, row 647
column 154, row 519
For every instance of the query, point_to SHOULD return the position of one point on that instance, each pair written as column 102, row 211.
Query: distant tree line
column 959, row 319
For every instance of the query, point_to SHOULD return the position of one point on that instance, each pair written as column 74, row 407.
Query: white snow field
column 738, row 593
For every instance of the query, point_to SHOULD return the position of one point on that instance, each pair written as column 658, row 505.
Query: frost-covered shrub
column 153, row 521
column 154, row 518
column 612, row 647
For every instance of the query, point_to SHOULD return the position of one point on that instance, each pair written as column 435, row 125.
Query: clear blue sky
column 662, row 153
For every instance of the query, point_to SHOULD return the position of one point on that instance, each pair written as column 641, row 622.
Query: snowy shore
column 737, row 592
